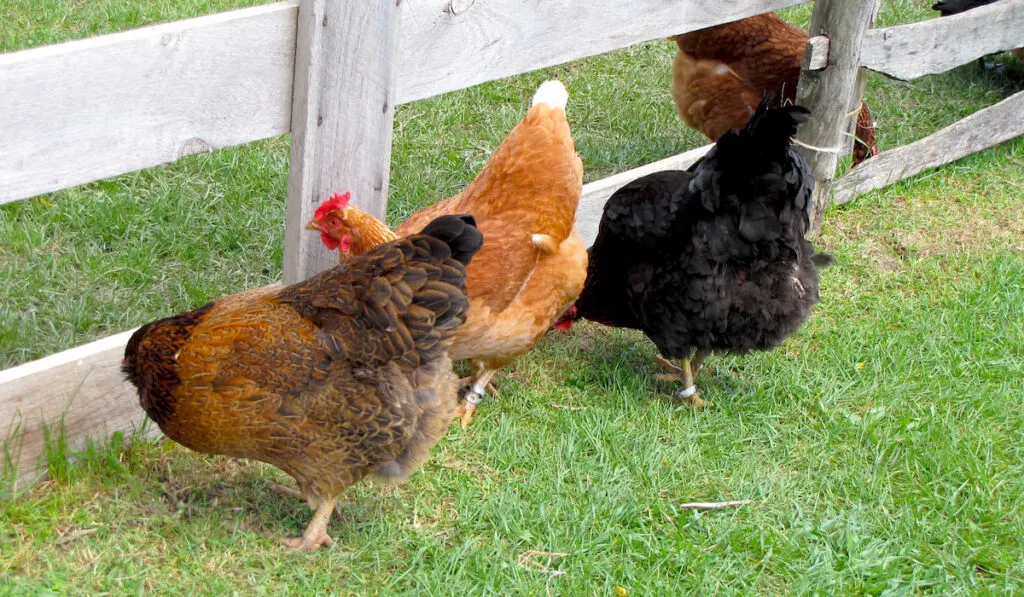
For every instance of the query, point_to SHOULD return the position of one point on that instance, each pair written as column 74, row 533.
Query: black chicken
column 713, row 258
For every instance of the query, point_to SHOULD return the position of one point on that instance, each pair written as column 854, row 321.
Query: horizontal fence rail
column 937, row 45
column 79, row 392
column 985, row 128
column 85, row 110
column 90, row 109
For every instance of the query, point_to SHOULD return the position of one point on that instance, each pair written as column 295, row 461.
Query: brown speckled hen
column 331, row 379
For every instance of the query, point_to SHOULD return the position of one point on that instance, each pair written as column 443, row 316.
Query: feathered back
column 400, row 301
column 753, row 188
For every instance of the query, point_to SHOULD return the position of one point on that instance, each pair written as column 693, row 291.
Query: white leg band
column 475, row 394
column 686, row 393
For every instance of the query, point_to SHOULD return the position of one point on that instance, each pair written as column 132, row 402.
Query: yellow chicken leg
column 685, row 372
column 697, row 363
column 481, row 381
column 689, row 393
column 315, row 535
column 675, row 373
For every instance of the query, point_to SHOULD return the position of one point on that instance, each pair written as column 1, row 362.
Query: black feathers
column 460, row 233
column 952, row 7
column 714, row 258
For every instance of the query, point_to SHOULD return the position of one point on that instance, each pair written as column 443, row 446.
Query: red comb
column 337, row 201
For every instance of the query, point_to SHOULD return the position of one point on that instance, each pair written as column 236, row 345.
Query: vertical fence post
column 832, row 93
column 342, row 114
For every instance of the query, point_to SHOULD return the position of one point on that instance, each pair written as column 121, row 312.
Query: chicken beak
column 312, row 225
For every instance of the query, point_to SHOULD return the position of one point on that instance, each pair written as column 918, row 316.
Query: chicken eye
column 334, row 222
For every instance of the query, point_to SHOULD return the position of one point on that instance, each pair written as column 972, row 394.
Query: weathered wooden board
column 831, row 93
column 985, row 128
column 937, row 45
column 82, row 388
column 447, row 45
column 342, row 118
column 84, row 110
column 595, row 194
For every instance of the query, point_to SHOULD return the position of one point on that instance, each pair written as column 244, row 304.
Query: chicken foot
column 481, row 381
column 686, row 372
column 315, row 535
column 465, row 381
column 675, row 373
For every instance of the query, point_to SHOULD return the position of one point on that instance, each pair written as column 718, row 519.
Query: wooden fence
column 842, row 30
column 331, row 72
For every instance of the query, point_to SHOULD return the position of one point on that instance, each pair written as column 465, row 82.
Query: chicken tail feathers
column 773, row 126
column 460, row 233
column 766, row 139
column 553, row 93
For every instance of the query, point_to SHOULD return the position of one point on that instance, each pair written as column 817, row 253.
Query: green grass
column 881, row 445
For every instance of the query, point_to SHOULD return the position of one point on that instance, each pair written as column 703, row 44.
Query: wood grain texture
column 832, row 93
column 596, row 194
column 85, row 110
column 82, row 388
column 937, row 45
column 444, row 49
column 89, row 109
column 342, row 118
column 985, row 128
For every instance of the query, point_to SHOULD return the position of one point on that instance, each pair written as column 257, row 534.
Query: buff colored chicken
column 532, row 265
column 721, row 73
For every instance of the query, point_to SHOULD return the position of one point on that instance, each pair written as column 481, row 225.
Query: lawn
column 881, row 446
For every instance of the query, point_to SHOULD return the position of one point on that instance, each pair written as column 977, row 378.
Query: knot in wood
column 816, row 55
column 193, row 146
column 460, row 6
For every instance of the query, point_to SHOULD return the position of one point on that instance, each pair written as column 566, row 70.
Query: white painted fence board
column 937, row 45
column 85, row 110
column 985, row 128
column 595, row 194
column 342, row 119
column 443, row 50
column 82, row 387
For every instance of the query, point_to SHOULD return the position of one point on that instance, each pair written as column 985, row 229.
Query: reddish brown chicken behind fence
column 721, row 73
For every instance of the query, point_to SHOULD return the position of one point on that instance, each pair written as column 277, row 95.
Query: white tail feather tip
column 552, row 93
